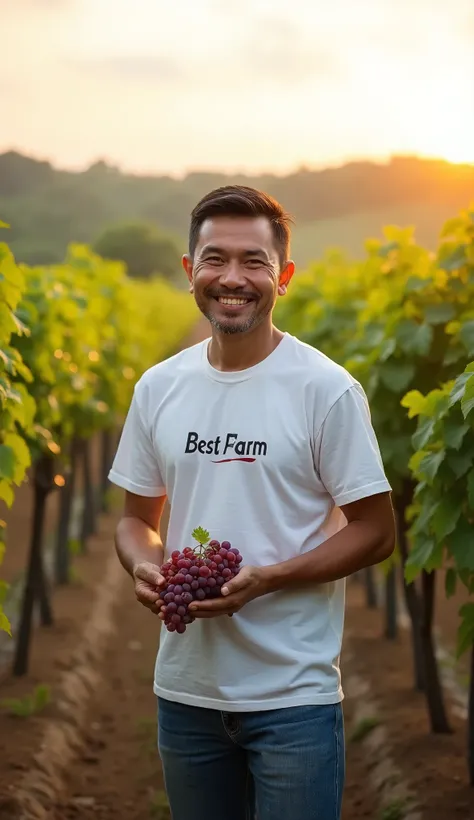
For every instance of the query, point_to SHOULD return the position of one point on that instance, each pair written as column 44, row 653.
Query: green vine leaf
column 201, row 535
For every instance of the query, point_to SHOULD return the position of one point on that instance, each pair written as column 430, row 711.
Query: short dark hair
column 240, row 200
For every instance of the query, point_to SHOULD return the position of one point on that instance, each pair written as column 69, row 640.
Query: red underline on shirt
column 226, row 460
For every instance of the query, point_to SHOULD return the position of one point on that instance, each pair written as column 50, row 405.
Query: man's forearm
column 135, row 542
column 351, row 549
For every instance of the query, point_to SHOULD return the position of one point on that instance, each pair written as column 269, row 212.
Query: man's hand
column 148, row 579
column 247, row 585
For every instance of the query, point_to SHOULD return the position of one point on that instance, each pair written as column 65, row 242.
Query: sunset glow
column 152, row 86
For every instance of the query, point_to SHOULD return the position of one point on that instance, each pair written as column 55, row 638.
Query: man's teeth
column 225, row 300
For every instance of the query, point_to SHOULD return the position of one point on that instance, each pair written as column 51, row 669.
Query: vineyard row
column 74, row 339
column 402, row 322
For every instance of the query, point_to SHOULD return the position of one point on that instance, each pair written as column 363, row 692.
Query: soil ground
column 117, row 774
column 435, row 766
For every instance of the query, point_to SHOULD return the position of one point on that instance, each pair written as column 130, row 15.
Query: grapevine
column 74, row 340
column 402, row 322
column 17, row 408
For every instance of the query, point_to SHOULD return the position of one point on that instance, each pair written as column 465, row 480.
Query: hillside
column 48, row 207
column 311, row 239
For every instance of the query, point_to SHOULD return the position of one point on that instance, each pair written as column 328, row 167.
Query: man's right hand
column 148, row 580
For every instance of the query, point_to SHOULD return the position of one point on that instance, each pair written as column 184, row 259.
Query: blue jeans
column 281, row 764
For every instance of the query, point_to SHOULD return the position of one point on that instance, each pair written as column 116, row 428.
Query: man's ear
column 187, row 264
column 285, row 277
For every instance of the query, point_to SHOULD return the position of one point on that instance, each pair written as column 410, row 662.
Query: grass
column 146, row 729
column 30, row 704
column 159, row 806
column 396, row 810
column 363, row 728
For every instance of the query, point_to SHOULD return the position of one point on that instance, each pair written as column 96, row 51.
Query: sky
column 237, row 85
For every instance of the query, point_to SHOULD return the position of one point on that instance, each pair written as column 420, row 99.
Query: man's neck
column 239, row 351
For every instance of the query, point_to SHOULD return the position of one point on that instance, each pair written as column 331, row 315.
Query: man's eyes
column 218, row 260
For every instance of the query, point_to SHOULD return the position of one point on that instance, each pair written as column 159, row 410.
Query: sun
column 457, row 147
column 459, row 155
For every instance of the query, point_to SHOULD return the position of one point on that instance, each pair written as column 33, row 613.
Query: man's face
column 235, row 274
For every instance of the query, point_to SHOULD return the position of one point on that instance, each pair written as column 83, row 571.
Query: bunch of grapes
column 195, row 574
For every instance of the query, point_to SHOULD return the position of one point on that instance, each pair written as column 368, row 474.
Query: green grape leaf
column 201, row 536
column 5, row 625
column 414, row 338
column 466, row 334
column 460, row 462
column 451, row 227
column 22, row 455
column 450, row 582
column 420, row 555
column 415, row 283
column 455, row 260
column 453, row 354
column 465, row 637
column 6, row 492
column 7, row 462
column 415, row 402
column 439, row 314
column 461, row 545
column 470, row 489
column 467, row 401
column 424, row 516
column 454, row 434
column 425, row 430
column 396, row 376
column 429, row 465
column 457, row 391
column 446, row 516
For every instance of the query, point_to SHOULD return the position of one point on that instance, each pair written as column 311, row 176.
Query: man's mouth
column 233, row 301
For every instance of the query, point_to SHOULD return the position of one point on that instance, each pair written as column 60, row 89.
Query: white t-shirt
column 262, row 458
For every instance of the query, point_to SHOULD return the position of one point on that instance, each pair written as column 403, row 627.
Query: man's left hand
column 247, row 585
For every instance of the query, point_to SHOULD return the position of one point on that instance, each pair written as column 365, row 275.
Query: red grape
column 195, row 574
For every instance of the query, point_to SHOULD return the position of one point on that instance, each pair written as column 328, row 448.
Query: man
column 267, row 443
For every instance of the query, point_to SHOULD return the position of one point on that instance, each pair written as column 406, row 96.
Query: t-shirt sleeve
column 135, row 467
column 347, row 453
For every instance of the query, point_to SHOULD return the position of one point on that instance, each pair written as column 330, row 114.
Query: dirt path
column 118, row 773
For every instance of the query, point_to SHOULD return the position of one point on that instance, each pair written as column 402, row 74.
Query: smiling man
column 266, row 443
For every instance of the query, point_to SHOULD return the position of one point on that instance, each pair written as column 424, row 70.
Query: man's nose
column 232, row 275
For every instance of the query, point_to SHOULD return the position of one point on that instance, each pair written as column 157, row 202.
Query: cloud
column 280, row 51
